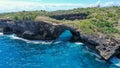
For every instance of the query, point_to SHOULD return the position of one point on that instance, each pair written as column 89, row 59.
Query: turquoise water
column 65, row 36
column 17, row 53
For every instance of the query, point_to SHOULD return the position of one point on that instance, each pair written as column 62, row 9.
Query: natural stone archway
column 65, row 36
column 39, row 30
column 43, row 30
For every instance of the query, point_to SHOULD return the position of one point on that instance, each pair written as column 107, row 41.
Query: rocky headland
column 105, row 46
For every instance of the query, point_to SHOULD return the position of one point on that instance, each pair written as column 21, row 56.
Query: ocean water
column 20, row 53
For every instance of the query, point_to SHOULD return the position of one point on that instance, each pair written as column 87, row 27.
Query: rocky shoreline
column 105, row 46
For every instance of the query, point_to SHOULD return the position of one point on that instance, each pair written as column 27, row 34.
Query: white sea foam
column 99, row 60
column 79, row 43
column 13, row 36
column 95, row 54
column 88, row 50
column 29, row 41
column 115, row 61
column 98, row 56
column 56, row 42
column 1, row 34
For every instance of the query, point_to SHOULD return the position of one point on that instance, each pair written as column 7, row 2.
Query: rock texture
column 105, row 46
column 42, row 30
column 70, row 16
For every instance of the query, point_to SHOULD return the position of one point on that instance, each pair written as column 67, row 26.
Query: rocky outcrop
column 70, row 16
column 105, row 46
column 4, row 22
column 41, row 30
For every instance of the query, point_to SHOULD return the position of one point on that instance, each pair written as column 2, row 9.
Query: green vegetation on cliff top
column 105, row 20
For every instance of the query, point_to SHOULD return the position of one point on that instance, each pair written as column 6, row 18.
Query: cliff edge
column 105, row 46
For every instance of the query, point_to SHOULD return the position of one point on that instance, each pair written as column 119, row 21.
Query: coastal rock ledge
column 106, row 47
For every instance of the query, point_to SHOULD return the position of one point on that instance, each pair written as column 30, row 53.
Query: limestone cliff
column 106, row 47
column 41, row 30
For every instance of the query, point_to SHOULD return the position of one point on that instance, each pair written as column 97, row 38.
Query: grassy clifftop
column 88, row 20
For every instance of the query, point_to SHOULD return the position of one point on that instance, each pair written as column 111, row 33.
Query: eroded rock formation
column 106, row 47
column 70, row 16
column 38, row 30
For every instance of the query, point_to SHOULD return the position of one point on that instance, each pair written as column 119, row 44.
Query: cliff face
column 106, row 47
column 38, row 30
column 70, row 16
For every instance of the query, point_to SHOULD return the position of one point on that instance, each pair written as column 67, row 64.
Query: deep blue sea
column 20, row 53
